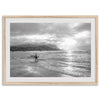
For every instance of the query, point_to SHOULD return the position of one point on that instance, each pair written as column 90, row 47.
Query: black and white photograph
column 46, row 48
column 50, row 49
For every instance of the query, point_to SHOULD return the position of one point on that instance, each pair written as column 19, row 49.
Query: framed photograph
column 50, row 50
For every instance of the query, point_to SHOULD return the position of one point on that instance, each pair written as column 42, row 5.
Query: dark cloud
column 60, row 29
column 83, row 27
column 23, row 28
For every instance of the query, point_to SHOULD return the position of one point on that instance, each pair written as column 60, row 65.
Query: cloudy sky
column 66, row 36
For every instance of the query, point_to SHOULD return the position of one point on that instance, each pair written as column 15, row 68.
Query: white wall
column 48, row 7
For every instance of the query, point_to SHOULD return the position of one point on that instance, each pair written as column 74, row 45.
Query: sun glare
column 67, row 43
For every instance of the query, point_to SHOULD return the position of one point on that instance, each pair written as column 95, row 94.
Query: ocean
column 50, row 64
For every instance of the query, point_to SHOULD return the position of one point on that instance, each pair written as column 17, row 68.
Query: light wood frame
column 50, row 83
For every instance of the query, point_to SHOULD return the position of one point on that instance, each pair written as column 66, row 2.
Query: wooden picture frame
column 93, row 19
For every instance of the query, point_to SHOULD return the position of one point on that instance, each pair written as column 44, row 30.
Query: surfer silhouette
column 36, row 57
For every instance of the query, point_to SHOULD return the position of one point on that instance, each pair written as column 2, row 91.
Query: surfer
column 36, row 57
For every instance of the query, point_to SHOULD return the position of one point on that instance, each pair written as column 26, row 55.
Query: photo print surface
column 50, row 49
